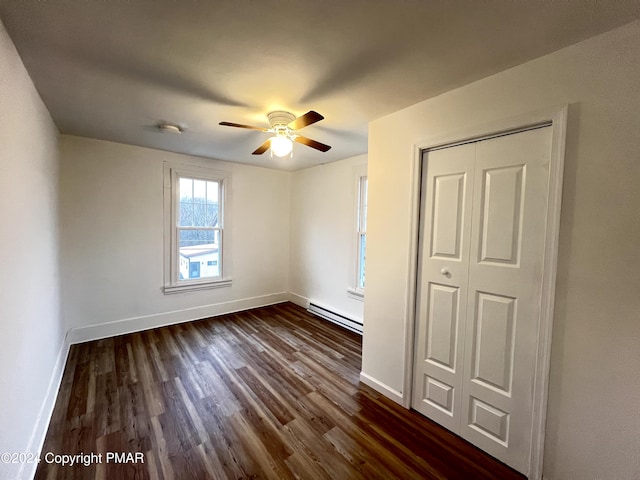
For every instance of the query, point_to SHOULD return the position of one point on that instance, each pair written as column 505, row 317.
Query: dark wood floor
column 267, row 393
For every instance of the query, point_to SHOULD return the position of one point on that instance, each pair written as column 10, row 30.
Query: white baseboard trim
column 36, row 442
column 299, row 300
column 145, row 322
column 384, row 389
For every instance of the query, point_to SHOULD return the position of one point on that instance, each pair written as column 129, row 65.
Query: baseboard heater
column 335, row 317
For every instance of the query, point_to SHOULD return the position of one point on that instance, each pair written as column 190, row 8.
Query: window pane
column 199, row 254
column 199, row 215
column 361, row 260
column 185, row 214
column 213, row 204
column 364, row 200
column 190, row 238
column 212, row 216
column 212, row 192
column 364, row 186
column 199, row 191
column 199, row 203
column 186, row 189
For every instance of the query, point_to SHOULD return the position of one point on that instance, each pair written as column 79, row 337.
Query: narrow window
column 361, row 232
column 199, row 228
column 196, row 236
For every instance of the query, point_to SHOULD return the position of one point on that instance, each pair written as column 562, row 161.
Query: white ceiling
column 113, row 69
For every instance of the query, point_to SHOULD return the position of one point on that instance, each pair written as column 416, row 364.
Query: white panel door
column 498, row 281
column 441, row 300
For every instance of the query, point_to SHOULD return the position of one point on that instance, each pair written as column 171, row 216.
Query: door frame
column 556, row 117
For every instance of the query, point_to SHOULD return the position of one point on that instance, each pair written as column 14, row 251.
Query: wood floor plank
column 363, row 459
column 318, row 449
column 225, row 444
column 270, row 393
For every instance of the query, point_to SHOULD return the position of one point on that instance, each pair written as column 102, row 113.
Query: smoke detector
column 166, row 127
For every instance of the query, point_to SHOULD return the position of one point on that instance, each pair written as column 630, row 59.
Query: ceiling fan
column 283, row 126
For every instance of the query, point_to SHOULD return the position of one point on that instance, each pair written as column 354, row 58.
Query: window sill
column 356, row 293
column 190, row 287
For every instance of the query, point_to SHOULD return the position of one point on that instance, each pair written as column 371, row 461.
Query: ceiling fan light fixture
column 281, row 146
column 285, row 125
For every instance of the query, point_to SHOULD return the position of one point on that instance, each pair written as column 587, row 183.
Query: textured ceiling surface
column 113, row 69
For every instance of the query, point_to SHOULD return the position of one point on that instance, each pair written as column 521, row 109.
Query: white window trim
column 172, row 172
column 354, row 290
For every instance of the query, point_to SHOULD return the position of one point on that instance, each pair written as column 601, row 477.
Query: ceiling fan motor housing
column 280, row 118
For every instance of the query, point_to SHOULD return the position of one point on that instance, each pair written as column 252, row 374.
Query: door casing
column 556, row 117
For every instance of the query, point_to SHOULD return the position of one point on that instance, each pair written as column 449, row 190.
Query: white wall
column 112, row 239
column 323, row 216
column 593, row 423
column 31, row 336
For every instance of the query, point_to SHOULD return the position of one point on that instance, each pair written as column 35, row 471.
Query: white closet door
column 443, row 274
column 503, row 301
column 497, row 281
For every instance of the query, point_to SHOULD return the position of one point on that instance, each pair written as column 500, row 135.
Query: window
column 195, row 241
column 361, row 231
column 356, row 288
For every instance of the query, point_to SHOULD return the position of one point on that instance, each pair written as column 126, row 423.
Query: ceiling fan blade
column 305, row 120
column 240, row 125
column 262, row 148
column 312, row 143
